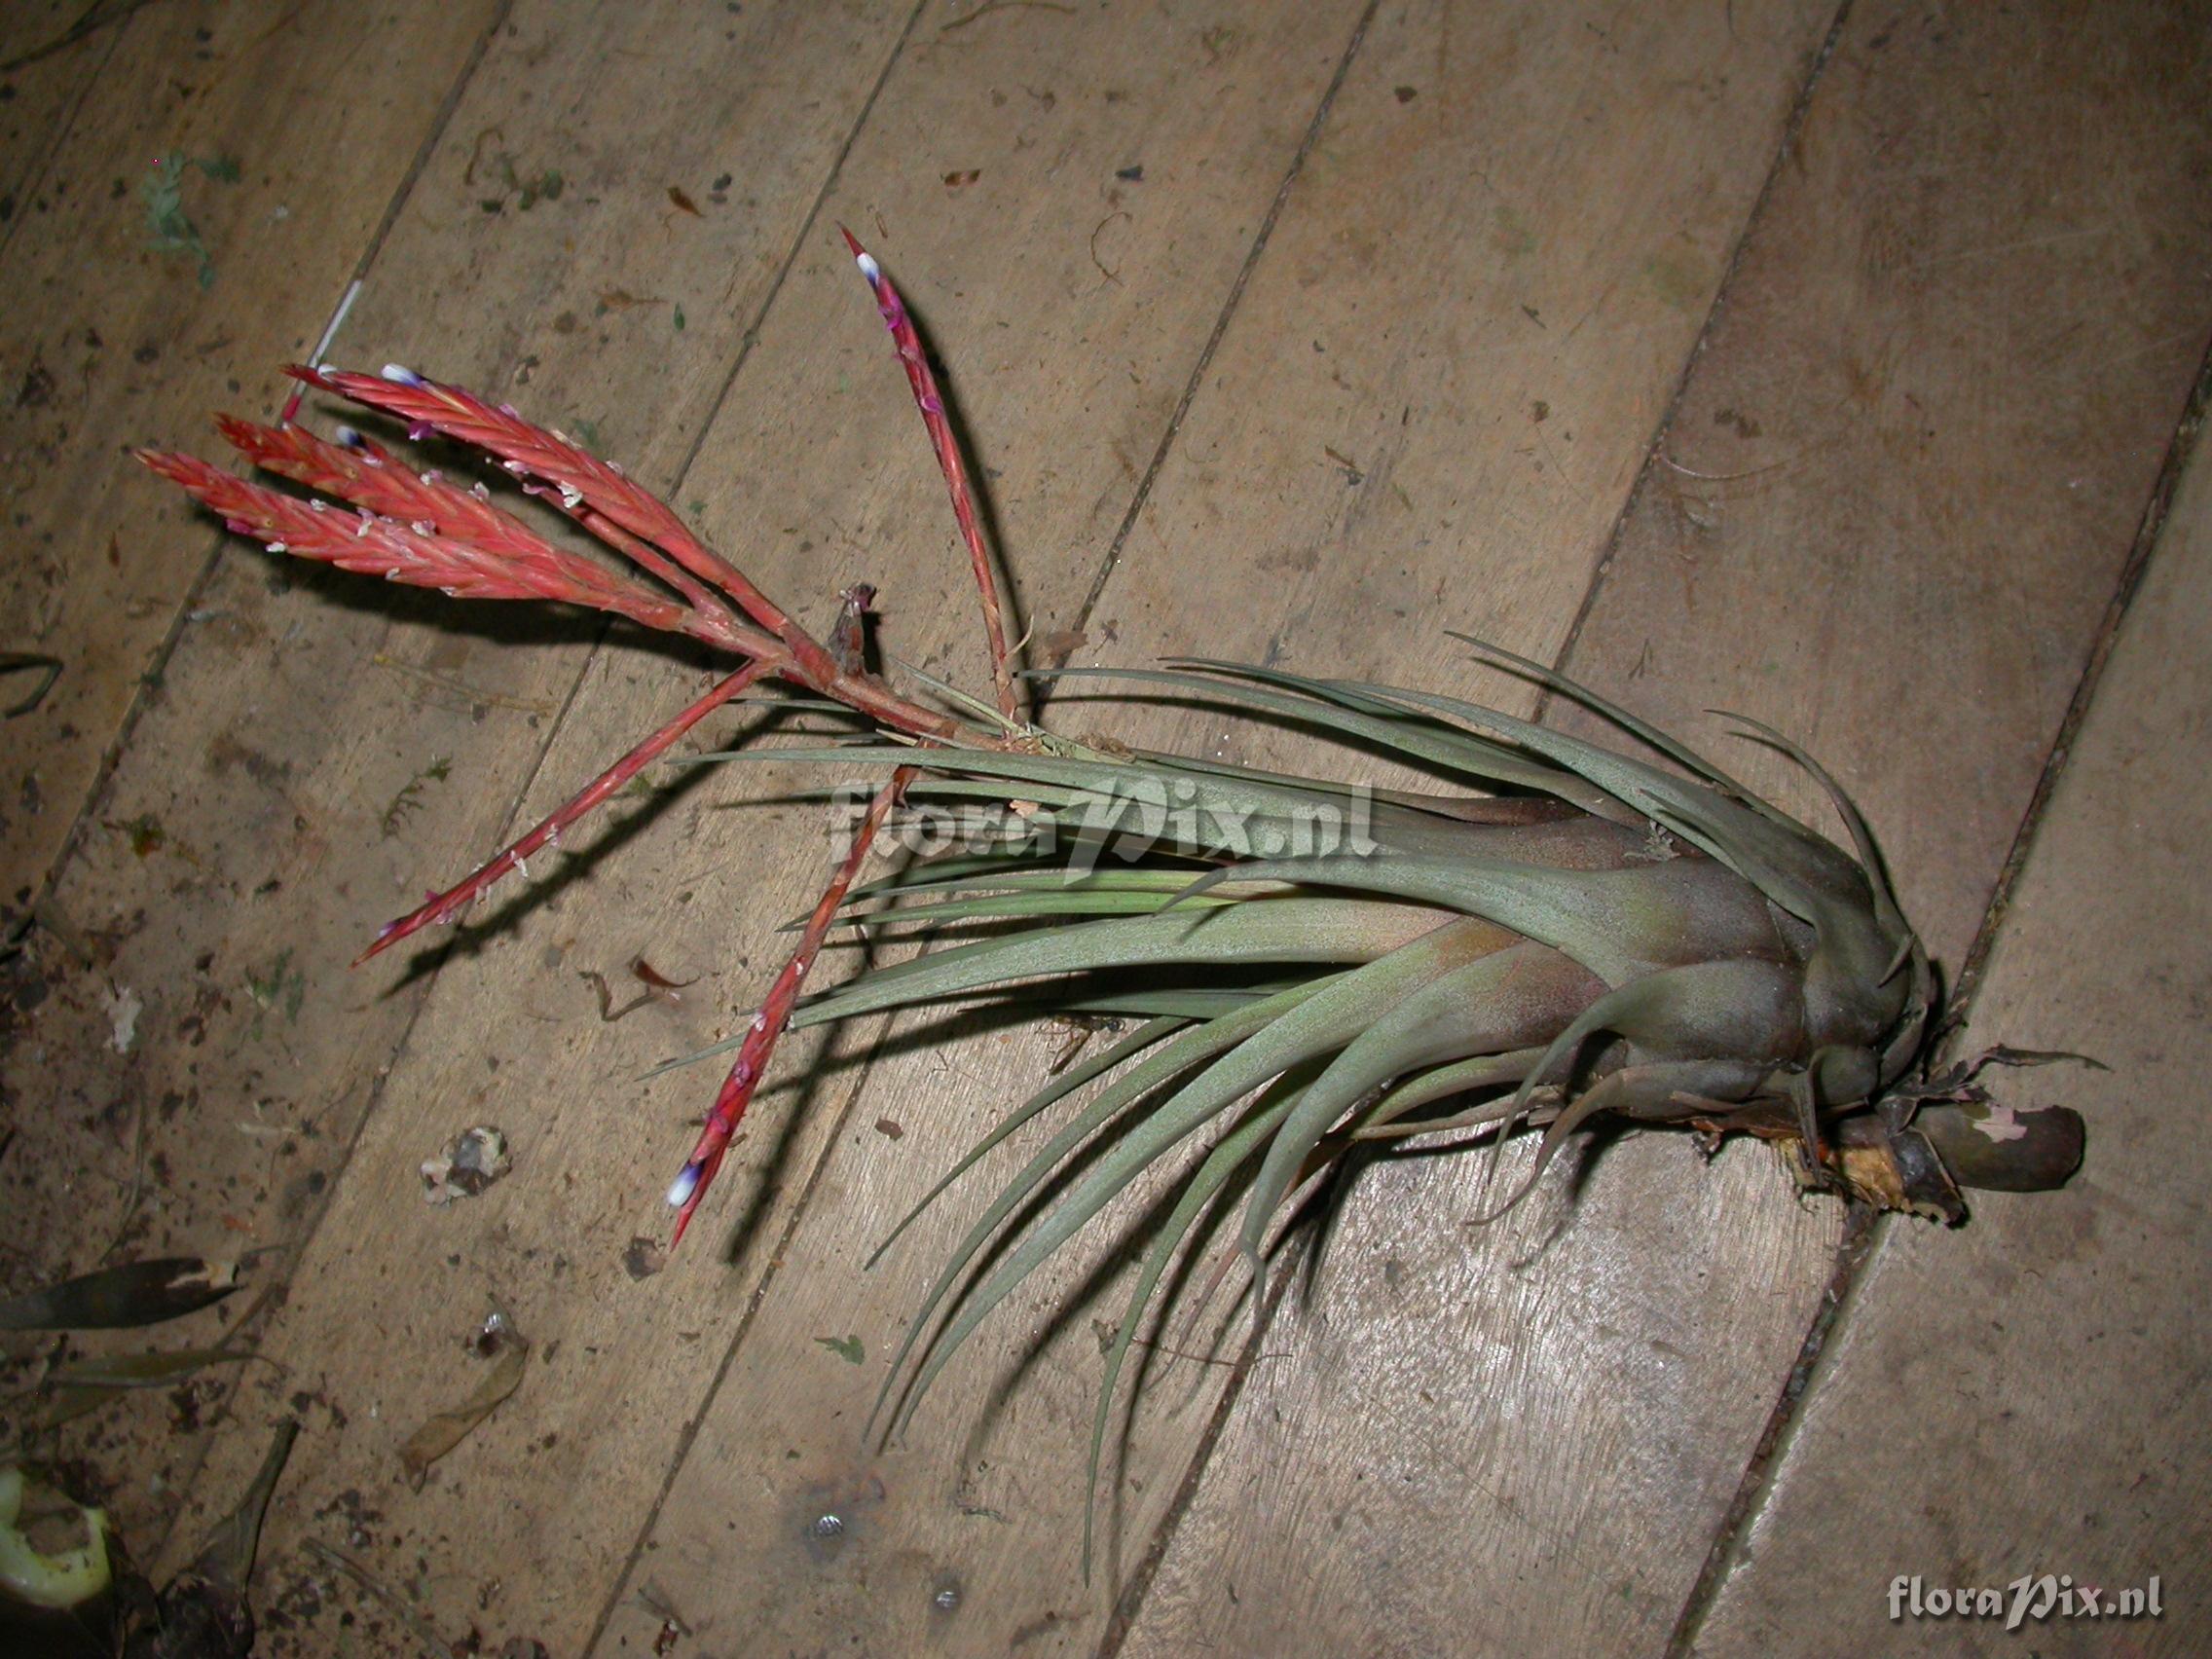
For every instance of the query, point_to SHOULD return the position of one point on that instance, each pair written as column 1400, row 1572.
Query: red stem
column 759, row 1045
column 447, row 906
column 931, row 402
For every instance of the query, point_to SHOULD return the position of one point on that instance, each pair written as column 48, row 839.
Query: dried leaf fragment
column 448, row 1429
column 647, row 974
column 141, row 1370
column 471, row 1161
column 136, row 1293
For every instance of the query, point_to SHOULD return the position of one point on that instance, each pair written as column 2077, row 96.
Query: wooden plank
column 2022, row 1398
column 815, row 475
column 108, row 340
column 112, row 340
column 1886, row 531
column 1385, row 321
column 301, row 706
column 37, row 31
column 37, row 100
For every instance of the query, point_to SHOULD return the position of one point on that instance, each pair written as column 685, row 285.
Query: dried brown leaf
column 448, row 1429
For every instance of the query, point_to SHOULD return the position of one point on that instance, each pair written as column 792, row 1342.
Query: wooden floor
column 1839, row 366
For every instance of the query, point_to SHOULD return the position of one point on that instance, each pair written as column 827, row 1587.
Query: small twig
column 931, row 402
column 990, row 6
column 47, row 668
column 1098, row 230
column 321, row 349
column 460, row 687
column 401, row 1609
column 609, row 1014
column 137, row 1189
column 1725, row 477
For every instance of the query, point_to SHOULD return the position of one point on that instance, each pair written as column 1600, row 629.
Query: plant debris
column 408, row 800
column 850, row 1349
column 659, row 987
column 203, row 1612
column 124, row 1007
column 145, row 833
column 123, row 1298
column 527, row 193
column 57, row 1578
column 470, row 1162
column 653, row 980
column 278, row 986
column 47, row 668
column 169, row 226
column 683, row 203
column 508, row 1351
column 434, row 1645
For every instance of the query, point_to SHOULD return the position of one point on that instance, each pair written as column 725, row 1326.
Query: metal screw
column 828, row 1526
column 946, row 1599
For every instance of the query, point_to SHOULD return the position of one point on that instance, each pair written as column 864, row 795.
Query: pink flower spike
column 930, row 402
column 752, row 1054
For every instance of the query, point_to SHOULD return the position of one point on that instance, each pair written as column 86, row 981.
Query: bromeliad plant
column 1554, row 933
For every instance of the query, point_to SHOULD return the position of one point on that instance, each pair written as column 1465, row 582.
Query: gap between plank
column 1793, row 129
column 1143, row 496
column 1863, row 1234
column 1130, row 1602
column 1126, row 1607
column 62, row 128
column 85, row 28
column 197, row 589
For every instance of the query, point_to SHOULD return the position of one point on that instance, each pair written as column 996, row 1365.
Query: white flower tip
column 404, row 375
column 868, row 267
column 686, row 1182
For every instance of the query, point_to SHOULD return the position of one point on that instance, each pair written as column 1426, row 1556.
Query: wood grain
column 106, row 342
column 37, row 103
column 814, row 474
column 1886, row 521
column 1970, row 1423
column 112, row 341
column 289, row 759
column 1383, row 320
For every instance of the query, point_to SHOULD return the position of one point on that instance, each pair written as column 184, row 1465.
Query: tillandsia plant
column 1551, row 933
